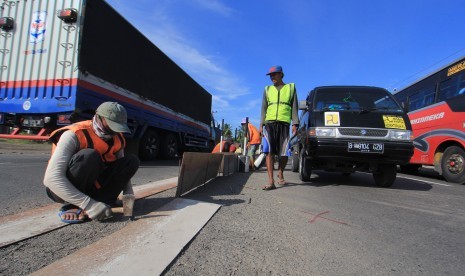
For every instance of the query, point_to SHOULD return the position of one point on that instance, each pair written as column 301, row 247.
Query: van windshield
column 363, row 99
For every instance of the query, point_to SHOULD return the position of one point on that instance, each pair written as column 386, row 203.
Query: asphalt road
column 333, row 225
column 23, row 167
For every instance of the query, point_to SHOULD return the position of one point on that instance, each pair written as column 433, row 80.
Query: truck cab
column 352, row 128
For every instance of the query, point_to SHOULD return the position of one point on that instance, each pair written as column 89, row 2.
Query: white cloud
column 204, row 68
column 207, row 69
column 215, row 6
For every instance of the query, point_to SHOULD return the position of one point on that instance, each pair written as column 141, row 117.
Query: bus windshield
column 355, row 99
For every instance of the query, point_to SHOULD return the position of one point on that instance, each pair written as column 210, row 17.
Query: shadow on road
column 323, row 178
column 160, row 163
column 219, row 189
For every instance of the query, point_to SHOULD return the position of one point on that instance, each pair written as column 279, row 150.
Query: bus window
column 421, row 99
column 461, row 84
column 452, row 87
column 445, row 90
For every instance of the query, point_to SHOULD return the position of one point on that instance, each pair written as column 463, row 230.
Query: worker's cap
column 275, row 69
column 115, row 115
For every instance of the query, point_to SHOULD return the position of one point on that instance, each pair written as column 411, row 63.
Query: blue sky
column 228, row 46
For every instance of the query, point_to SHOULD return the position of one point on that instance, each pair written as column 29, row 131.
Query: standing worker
column 88, row 169
column 253, row 141
column 279, row 107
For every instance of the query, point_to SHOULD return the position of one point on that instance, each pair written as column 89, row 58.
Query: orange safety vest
column 89, row 140
column 254, row 135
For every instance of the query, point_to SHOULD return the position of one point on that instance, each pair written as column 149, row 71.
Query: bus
column 436, row 109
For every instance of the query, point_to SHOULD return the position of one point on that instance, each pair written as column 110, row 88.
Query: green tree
column 240, row 134
column 227, row 130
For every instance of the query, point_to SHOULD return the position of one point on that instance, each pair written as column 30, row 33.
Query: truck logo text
column 33, row 52
column 38, row 26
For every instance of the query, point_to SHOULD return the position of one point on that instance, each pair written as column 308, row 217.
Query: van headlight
column 400, row 135
column 323, row 132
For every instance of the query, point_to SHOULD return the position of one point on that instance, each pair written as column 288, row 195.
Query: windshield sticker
column 332, row 119
column 394, row 122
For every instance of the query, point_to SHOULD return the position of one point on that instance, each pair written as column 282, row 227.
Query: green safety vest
column 279, row 103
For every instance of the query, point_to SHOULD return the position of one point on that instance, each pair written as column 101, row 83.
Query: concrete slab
column 144, row 247
column 156, row 187
column 197, row 168
column 38, row 221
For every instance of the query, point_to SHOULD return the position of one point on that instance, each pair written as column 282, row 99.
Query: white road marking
column 421, row 180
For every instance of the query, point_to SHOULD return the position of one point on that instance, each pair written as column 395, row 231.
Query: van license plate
column 365, row 147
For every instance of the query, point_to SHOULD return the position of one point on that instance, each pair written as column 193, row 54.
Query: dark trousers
column 86, row 168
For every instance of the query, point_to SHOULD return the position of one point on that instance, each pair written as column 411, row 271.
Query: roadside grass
column 22, row 141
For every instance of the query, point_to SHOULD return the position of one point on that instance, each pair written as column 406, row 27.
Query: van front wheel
column 305, row 169
column 386, row 175
column 294, row 162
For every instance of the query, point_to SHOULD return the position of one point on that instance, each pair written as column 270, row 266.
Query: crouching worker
column 226, row 145
column 88, row 169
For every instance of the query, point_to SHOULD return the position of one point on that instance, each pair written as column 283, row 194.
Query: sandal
column 269, row 187
column 71, row 209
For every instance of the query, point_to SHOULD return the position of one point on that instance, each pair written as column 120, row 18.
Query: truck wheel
column 169, row 146
column 294, row 162
column 410, row 168
column 305, row 170
column 149, row 146
column 452, row 163
column 386, row 175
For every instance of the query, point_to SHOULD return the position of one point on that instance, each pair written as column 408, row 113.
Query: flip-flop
column 281, row 181
column 77, row 211
column 269, row 187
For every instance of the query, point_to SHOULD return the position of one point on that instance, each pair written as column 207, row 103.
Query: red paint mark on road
column 320, row 216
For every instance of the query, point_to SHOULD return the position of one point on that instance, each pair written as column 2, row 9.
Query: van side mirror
column 303, row 105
